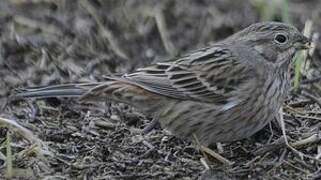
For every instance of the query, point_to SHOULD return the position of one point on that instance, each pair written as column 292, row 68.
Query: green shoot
column 9, row 172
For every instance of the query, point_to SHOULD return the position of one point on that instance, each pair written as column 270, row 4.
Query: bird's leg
column 280, row 120
column 282, row 124
column 216, row 155
column 207, row 151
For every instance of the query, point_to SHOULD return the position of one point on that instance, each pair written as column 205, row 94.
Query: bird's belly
column 211, row 124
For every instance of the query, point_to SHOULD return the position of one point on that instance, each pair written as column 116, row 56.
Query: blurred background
column 45, row 42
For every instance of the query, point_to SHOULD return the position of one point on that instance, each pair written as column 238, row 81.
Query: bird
column 223, row 92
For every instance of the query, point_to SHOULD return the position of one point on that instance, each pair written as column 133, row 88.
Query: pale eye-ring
column 281, row 38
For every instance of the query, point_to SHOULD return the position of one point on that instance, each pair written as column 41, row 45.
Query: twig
column 219, row 147
column 312, row 97
column 308, row 117
column 299, row 103
column 313, row 80
column 199, row 146
column 282, row 124
column 23, row 20
column 307, row 31
column 216, row 156
column 104, row 124
column 150, row 126
column 316, row 86
column 289, row 108
column 162, row 27
column 279, row 143
column 315, row 38
column 21, row 130
column 203, row 161
column 319, row 152
column 295, row 167
column 210, row 152
column 312, row 139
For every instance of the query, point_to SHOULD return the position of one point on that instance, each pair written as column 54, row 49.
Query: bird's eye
column 280, row 38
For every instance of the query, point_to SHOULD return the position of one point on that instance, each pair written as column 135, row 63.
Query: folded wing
column 211, row 75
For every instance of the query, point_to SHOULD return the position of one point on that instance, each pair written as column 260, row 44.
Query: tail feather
column 65, row 90
column 114, row 90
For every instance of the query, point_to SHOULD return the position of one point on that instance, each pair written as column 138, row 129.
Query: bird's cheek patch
column 266, row 52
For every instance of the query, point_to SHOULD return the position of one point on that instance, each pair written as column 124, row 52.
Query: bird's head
column 276, row 42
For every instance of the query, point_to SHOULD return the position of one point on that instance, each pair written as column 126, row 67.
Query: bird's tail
column 65, row 90
column 111, row 89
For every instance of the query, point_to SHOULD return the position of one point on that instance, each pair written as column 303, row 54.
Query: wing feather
column 210, row 75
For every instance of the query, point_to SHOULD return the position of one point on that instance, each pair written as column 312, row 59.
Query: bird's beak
column 303, row 43
column 300, row 46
